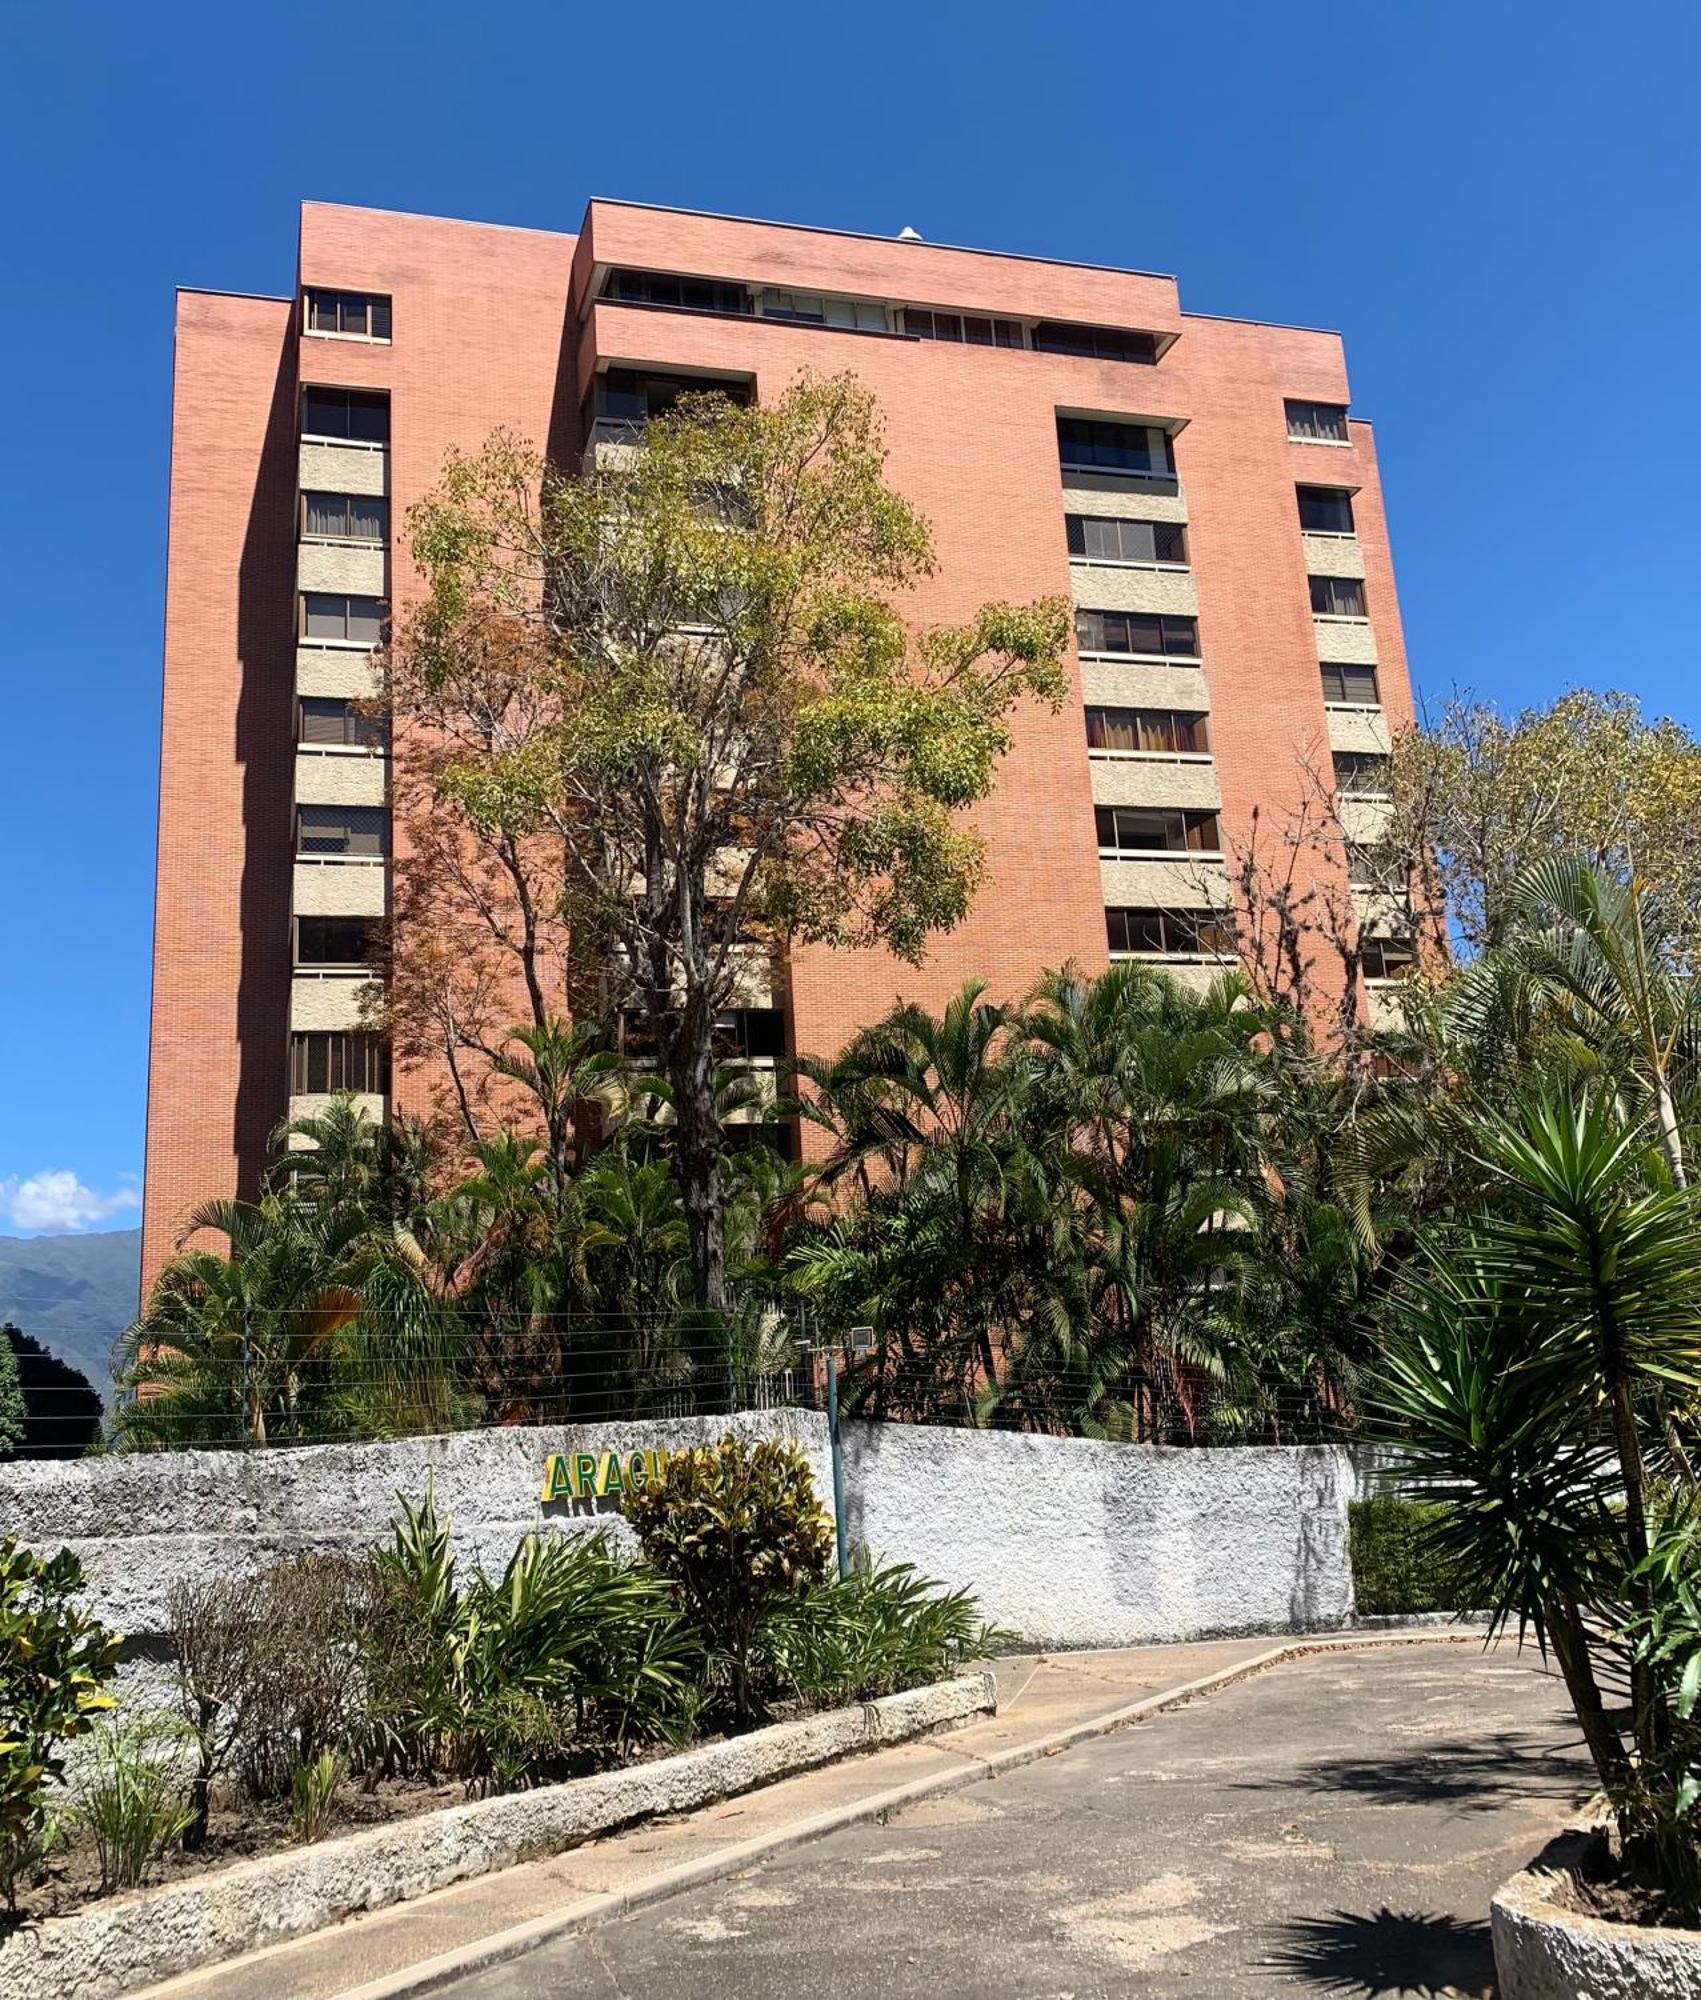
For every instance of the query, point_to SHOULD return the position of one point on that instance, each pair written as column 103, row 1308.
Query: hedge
column 1395, row 1571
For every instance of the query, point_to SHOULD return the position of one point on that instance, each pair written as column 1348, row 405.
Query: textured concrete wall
column 1067, row 1541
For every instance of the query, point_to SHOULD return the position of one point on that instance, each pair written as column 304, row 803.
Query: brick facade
column 495, row 326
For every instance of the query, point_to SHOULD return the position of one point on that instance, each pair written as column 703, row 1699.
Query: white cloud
column 57, row 1200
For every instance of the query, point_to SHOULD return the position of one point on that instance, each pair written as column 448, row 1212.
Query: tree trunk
column 698, row 1157
column 1571, row 1649
column 1671, row 1140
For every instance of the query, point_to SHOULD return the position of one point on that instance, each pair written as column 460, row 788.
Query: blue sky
column 1497, row 203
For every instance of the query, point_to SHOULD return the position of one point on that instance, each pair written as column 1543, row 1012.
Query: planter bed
column 129, row 1941
column 1548, row 1947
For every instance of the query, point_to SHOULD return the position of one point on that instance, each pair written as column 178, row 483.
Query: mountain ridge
column 75, row 1294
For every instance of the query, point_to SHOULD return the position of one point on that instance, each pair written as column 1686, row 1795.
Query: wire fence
column 254, row 1391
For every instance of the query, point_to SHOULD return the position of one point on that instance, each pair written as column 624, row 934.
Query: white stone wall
column 1066, row 1541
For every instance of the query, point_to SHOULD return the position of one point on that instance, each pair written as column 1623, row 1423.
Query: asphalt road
column 1333, row 1827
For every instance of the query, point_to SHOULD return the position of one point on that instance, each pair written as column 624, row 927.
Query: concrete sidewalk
column 1041, row 1700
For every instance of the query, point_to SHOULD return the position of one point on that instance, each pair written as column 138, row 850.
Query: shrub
column 133, row 1801
column 218, row 1643
column 1396, row 1569
column 54, row 1663
column 734, row 1527
column 313, row 1794
column 569, row 1657
column 871, row 1633
column 308, row 1684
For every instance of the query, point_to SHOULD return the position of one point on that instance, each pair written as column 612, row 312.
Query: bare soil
column 1604, row 1887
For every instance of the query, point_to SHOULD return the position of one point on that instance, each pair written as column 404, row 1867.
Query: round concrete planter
column 1543, row 1951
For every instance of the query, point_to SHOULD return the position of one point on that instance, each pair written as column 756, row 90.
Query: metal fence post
column 838, row 1463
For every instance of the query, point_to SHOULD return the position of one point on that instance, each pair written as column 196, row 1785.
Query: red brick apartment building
column 1195, row 485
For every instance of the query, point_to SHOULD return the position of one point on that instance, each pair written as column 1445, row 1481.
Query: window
column 1095, row 343
column 360, row 415
column 339, row 941
column 1096, row 444
column 750, row 1034
column 1387, row 958
column 1149, row 729
column 1142, row 632
column 332, row 719
column 1101, row 540
column 817, row 309
column 662, row 288
column 1350, row 687
column 344, row 517
column 627, row 398
column 1361, row 774
column 357, row 621
column 1325, row 510
column 1313, row 423
column 1370, row 867
column 1337, row 596
column 1170, row 933
column 1156, row 830
column 363, row 313
column 321, row 1063
column 971, row 329
column 351, row 831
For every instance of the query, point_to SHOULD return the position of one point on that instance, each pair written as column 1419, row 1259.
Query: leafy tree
column 678, row 708
column 1480, row 797
column 12, row 1415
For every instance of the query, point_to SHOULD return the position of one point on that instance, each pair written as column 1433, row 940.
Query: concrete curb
column 502, row 1946
column 199, row 1922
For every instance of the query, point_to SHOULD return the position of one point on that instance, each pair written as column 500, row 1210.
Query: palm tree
column 231, row 1339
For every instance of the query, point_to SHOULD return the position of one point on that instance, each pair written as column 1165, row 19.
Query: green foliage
column 313, row 1795
column 872, row 1633
column 12, row 1413
column 569, row 1658
column 1398, row 1567
column 132, row 1799
column 1661, row 1800
column 734, row 1527
column 55, row 1662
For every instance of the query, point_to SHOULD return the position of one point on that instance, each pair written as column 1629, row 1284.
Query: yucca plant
column 1527, row 1353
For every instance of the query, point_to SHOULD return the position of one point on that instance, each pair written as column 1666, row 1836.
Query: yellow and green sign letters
column 599, row 1475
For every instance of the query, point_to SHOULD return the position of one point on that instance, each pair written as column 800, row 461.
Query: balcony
column 1348, row 641
column 337, row 885
column 1136, row 778
column 1165, row 882
column 339, row 775
column 1359, row 731
column 350, row 568
column 1144, row 684
column 328, row 999
column 1116, row 587
column 314, row 1104
column 336, row 670
column 344, row 465
column 1333, row 555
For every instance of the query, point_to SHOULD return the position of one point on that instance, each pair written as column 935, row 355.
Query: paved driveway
column 1333, row 1827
